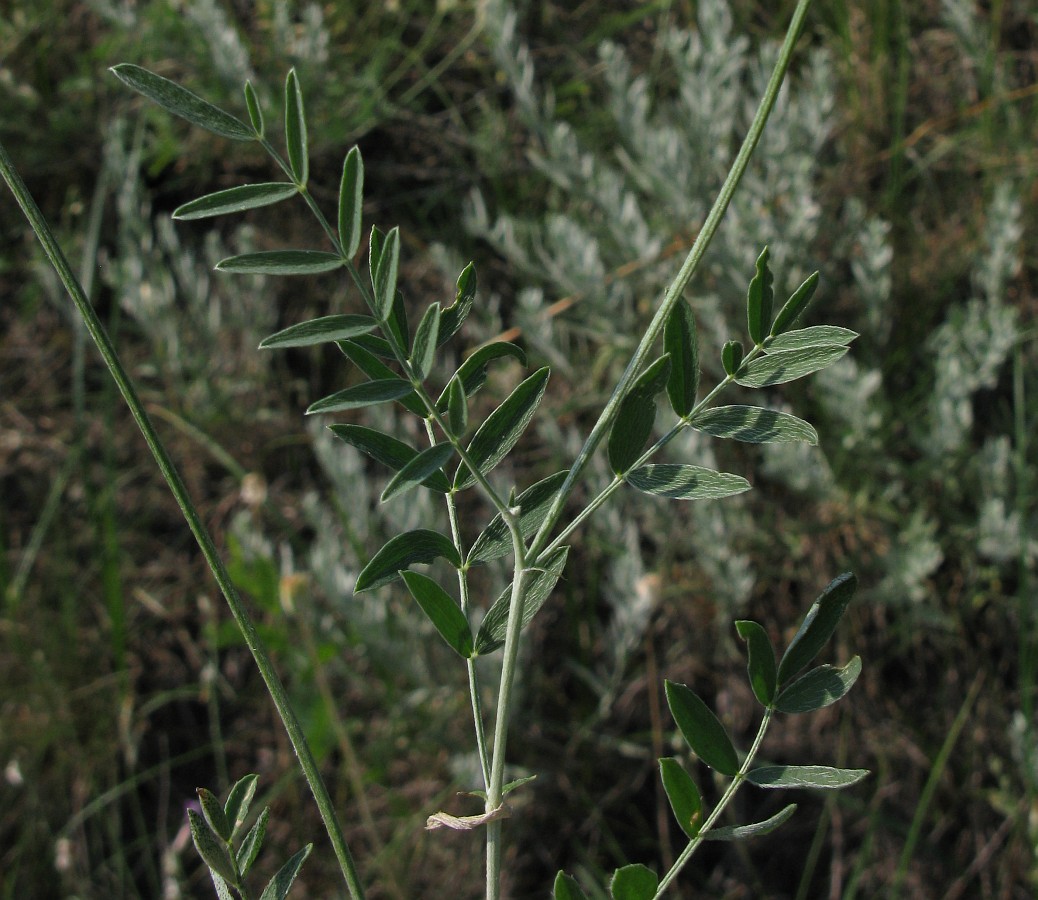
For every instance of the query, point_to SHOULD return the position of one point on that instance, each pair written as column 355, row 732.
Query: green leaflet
column 681, row 482
column 473, row 372
column 403, row 551
column 387, row 450
column 457, row 407
column 824, row 777
column 759, row 299
column 369, row 393
column 384, row 273
column 787, row 365
column 502, row 429
column 255, row 112
column 683, row 795
column 495, row 624
column 351, row 202
column 701, row 729
column 279, row 886
column 495, row 540
column 815, row 336
column 455, row 314
column 795, row 305
column 250, row 847
column 319, row 331
column 633, row 882
column 739, row 832
column 636, row 416
column 681, row 342
column 417, row 470
column 754, row 425
column 238, row 801
column 424, row 348
column 761, row 663
column 443, row 612
column 566, row 888
column 818, row 626
column 365, row 360
column 236, row 199
column 818, row 688
column 731, row 357
column 295, row 130
column 212, row 850
column 281, row 262
column 181, row 102
column 212, row 809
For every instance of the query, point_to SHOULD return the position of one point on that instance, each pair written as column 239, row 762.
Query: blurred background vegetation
column 570, row 150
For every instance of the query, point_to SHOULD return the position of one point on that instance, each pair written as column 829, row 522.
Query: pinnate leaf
column 636, row 416
column 823, row 777
column 754, row 425
column 682, row 343
column 787, row 365
column 682, row 482
column 740, row 832
column 442, row 610
column 761, row 665
column 369, row 393
column 633, row 882
column 701, row 729
column 319, row 331
column 502, row 429
column 818, row 626
column 351, row 202
column 236, row 199
column 403, row 551
column 683, row 795
column 281, row 262
column 818, row 688
column 279, row 886
column 181, row 102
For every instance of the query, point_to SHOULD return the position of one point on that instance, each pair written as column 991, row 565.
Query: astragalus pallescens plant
column 395, row 349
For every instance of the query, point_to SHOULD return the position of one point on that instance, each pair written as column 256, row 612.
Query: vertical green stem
column 194, row 521
column 680, row 282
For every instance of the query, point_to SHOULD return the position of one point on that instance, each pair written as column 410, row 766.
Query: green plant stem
column 680, row 282
column 205, row 542
column 715, row 813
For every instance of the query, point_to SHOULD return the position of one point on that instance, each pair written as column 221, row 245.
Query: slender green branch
column 684, row 276
column 205, row 542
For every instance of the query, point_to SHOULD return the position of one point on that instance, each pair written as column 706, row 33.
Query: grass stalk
column 201, row 534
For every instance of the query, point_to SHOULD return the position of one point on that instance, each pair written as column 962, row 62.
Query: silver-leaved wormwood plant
column 529, row 523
